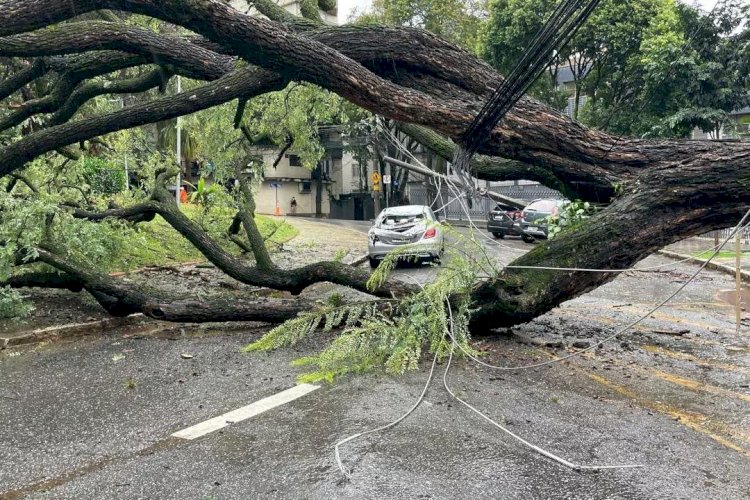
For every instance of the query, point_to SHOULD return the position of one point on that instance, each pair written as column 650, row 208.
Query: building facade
column 332, row 186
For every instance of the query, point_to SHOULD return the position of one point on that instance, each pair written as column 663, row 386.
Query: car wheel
column 374, row 263
column 527, row 238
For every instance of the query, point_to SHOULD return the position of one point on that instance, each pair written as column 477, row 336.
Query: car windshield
column 402, row 215
column 548, row 206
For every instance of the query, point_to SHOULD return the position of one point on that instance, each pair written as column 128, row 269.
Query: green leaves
column 456, row 20
column 13, row 305
column 387, row 335
column 570, row 215
column 102, row 176
column 648, row 67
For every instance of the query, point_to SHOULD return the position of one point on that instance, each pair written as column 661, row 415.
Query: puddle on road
column 730, row 297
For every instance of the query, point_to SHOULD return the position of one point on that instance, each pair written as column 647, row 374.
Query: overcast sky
column 347, row 6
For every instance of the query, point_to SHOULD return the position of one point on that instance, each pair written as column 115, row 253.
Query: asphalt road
column 474, row 244
column 93, row 417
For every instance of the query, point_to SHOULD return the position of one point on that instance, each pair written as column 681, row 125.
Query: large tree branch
column 193, row 60
column 122, row 299
column 46, row 104
column 258, row 41
column 667, row 205
column 492, row 168
column 246, row 215
column 243, row 83
column 86, row 92
column 292, row 280
column 20, row 78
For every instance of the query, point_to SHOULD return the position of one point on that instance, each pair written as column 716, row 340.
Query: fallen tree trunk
column 121, row 299
column 666, row 206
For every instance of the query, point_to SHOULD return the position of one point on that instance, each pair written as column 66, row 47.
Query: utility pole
column 179, row 149
column 127, row 174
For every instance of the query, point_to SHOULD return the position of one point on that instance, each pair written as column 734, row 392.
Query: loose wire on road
column 537, row 449
column 344, row 470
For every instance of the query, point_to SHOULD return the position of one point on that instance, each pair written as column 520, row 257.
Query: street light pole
column 127, row 174
column 179, row 148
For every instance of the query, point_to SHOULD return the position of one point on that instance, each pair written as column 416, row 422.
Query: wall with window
column 265, row 198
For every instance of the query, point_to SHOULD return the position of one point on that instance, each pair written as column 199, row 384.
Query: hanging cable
column 560, row 27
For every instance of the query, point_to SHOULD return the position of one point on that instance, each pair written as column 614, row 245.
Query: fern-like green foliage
column 381, row 334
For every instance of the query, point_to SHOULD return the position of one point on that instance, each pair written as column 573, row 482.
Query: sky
column 347, row 6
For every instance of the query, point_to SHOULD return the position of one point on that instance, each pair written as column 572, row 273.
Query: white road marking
column 240, row 414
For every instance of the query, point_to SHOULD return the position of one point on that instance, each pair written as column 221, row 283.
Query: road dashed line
column 249, row 411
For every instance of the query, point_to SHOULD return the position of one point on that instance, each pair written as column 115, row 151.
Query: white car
column 412, row 229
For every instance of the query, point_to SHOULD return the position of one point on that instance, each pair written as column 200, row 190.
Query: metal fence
column 453, row 209
column 722, row 234
column 447, row 206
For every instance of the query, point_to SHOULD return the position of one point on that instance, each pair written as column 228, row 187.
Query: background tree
column 456, row 20
column 602, row 57
column 703, row 77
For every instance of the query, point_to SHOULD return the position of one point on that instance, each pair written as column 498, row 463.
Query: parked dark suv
column 503, row 221
column 534, row 217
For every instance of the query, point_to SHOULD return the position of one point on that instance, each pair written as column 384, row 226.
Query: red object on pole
column 183, row 195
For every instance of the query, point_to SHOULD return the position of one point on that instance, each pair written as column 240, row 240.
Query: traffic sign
column 375, row 178
column 376, row 187
column 386, row 179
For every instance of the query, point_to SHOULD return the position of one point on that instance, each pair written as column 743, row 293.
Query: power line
column 560, row 27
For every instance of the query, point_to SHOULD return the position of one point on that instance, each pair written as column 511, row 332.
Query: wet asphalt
column 91, row 418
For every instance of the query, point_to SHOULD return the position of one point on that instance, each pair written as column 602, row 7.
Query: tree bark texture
column 120, row 299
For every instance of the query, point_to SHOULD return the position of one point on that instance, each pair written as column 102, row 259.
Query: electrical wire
column 344, row 470
column 532, row 446
column 557, row 31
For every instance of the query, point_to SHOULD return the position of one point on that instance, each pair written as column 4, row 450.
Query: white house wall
column 289, row 179
column 265, row 199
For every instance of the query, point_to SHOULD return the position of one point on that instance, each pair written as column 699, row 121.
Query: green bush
column 103, row 177
column 12, row 304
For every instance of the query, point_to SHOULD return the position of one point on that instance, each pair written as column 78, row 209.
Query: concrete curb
column 359, row 260
column 480, row 223
column 744, row 275
column 70, row 330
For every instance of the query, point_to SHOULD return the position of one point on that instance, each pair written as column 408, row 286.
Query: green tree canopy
column 456, row 20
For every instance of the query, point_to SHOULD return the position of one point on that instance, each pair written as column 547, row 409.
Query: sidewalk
column 693, row 247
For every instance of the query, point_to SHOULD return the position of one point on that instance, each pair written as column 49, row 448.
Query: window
column 294, row 161
column 304, row 187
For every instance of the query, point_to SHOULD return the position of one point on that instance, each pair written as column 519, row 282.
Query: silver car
column 413, row 230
